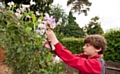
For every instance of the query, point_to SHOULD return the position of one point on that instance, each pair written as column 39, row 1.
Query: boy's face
column 89, row 50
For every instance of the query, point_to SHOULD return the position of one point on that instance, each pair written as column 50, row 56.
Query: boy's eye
column 87, row 45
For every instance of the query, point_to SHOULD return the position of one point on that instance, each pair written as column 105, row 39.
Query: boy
column 88, row 62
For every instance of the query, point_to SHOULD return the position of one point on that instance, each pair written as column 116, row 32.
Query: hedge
column 113, row 45
column 73, row 44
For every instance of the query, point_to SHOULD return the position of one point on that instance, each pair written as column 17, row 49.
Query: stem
column 49, row 44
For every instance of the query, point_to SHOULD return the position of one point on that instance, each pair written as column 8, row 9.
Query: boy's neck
column 92, row 55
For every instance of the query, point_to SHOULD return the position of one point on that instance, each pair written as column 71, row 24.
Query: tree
column 72, row 29
column 80, row 6
column 57, row 12
column 94, row 26
column 41, row 5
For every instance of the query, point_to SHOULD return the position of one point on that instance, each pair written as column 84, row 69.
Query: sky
column 107, row 10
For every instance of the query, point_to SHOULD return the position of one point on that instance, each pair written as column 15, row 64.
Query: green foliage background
column 113, row 45
column 72, row 28
column 73, row 44
column 94, row 27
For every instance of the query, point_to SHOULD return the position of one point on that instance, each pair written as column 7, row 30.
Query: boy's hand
column 51, row 37
column 46, row 45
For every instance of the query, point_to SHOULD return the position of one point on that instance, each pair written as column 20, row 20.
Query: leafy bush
column 113, row 45
column 75, row 45
column 23, row 49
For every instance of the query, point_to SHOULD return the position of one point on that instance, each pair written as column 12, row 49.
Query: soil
column 2, row 57
column 4, row 69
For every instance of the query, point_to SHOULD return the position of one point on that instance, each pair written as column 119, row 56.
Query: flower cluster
column 22, row 9
column 48, row 22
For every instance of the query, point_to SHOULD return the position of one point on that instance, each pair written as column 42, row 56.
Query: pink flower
column 18, row 10
column 37, row 13
column 42, row 26
column 40, row 32
column 10, row 3
column 46, row 16
column 25, row 6
column 18, row 15
column 50, row 21
column 32, row 2
column 22, row 9
column 56, row 59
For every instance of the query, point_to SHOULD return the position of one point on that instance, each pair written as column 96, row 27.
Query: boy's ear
column 98, row 50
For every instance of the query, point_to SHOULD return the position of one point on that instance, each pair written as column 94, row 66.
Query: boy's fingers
column 44, row 42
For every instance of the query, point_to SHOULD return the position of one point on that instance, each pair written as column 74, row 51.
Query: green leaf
column 33, row 18
column 19, row 50
column 28, row 29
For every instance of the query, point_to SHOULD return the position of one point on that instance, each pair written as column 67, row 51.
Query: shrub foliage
column 23, row 49
column 113, row 45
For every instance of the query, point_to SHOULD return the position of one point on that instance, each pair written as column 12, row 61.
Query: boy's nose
column 83, row 46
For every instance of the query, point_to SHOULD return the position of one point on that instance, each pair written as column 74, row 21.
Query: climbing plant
column 23, row 46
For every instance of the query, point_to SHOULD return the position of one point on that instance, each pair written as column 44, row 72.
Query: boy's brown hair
column 97, row 41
